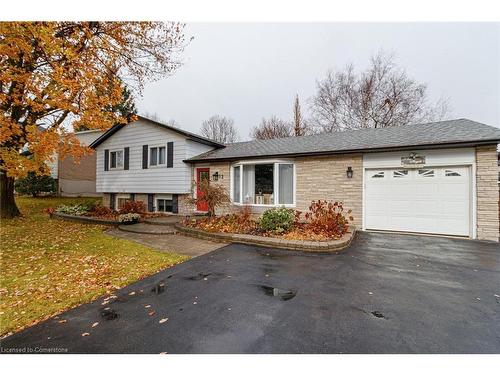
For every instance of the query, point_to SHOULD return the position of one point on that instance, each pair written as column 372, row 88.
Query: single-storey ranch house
column 435, row 178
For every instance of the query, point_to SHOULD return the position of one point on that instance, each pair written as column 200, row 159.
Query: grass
column 49, row 265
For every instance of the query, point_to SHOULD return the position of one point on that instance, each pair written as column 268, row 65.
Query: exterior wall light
column 349, row 172
column 216, row 176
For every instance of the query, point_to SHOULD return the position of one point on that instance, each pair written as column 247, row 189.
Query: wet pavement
column 387, row 293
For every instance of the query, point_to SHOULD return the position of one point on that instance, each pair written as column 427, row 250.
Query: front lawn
column 48, row 266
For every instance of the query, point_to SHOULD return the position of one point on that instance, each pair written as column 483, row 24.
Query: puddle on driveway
column 109, row 314
column 284, row 295
column 158, row 288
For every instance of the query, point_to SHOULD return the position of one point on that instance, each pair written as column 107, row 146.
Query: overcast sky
column 250, row 71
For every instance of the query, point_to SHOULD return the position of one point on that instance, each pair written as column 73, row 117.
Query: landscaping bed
column 93, row 212
column 325, row 227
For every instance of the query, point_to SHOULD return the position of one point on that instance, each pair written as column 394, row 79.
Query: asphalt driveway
column 386, row 294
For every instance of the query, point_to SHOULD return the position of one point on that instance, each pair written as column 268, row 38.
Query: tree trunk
column 8, row 207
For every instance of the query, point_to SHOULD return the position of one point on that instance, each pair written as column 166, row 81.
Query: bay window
column 263, row 183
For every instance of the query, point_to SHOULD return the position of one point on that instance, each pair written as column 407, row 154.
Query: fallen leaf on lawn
column 151, row 313
column 95, row 324
column 163, row 320
column 62, row 321
column 131, row 293
column 85, row 334
column 147, row 306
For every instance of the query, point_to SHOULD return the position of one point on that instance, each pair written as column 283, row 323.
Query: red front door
column 201, row 174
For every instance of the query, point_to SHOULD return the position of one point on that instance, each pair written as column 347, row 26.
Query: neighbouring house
column 435, row 178
column 77, row 179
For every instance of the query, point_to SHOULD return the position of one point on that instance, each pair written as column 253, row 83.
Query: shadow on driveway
column 387, row 293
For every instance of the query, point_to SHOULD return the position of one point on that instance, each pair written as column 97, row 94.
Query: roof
column 188, row 135
column 460, row 132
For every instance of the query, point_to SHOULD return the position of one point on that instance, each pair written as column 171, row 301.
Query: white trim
column 123, row 159
column 157, row 165
column 120, row 195
column 163, row 197
column 275, row 162
column 472, row 192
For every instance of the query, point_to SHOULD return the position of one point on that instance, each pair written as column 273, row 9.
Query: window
column 121, row 201
column 449, row 173
column 378, row 175
column 236, row 184
column 426, row 172
column 400, row 174
column 266, row 184
column 164, row 205
column 156, row 155
column 116, row 159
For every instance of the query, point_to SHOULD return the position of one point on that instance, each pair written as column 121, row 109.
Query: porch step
column 163, row 220
column 144, row 228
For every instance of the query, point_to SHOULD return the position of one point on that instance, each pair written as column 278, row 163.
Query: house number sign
column 413, row 161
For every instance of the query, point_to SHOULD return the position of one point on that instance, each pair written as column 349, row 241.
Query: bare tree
column 273, row 127
column 300, row 125
column 381, row 96
column 220, row 129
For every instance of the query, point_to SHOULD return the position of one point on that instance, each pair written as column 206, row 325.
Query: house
column 78, row 179
column 435, row 178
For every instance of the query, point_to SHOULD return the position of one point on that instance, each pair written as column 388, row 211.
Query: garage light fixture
column 349, row 172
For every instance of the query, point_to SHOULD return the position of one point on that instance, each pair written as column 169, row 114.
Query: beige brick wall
column 105, row 199
column 324, row 177
column 487, row 193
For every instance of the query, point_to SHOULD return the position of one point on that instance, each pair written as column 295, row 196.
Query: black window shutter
column 106, row 160
column 125, row 157
column 175, row 204
column 145, row 157
column 150, row 202
column 112, row 198
column 132, row 196
column 170, row 154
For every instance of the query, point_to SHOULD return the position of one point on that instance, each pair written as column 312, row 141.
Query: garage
column 435, row 200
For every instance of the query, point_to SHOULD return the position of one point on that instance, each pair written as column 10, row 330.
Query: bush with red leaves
column 133, row 207
column 328, row 218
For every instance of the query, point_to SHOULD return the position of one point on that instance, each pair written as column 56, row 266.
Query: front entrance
column 201, row 174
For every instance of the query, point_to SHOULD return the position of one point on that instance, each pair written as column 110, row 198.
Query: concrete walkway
column 175, row 243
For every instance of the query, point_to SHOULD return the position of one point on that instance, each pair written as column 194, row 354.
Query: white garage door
column 430, row 200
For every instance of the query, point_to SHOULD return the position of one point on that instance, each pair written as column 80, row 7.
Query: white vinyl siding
column 175, row 180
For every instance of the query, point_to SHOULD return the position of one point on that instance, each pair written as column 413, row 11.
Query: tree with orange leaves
column 58, row 76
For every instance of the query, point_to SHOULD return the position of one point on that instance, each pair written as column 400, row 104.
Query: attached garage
column 426, row 200
column 433, row 195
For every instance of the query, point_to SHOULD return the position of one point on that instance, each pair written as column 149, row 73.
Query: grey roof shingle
column 461, row 131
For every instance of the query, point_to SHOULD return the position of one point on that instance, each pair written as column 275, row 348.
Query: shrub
column 328, row 218
column 214, row 195
column 129, row 218
column 101, row 211
column 73, row 209
column 277, row 220
column 34, row 184
column 240, row 222
column 133, row 207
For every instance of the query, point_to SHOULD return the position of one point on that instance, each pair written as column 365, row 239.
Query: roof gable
column 188, row 135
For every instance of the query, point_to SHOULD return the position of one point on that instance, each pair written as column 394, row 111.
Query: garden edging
column 83, row 219
column 247, row 239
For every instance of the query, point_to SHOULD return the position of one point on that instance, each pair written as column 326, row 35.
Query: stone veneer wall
column 324, row 177
column 487, row 193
